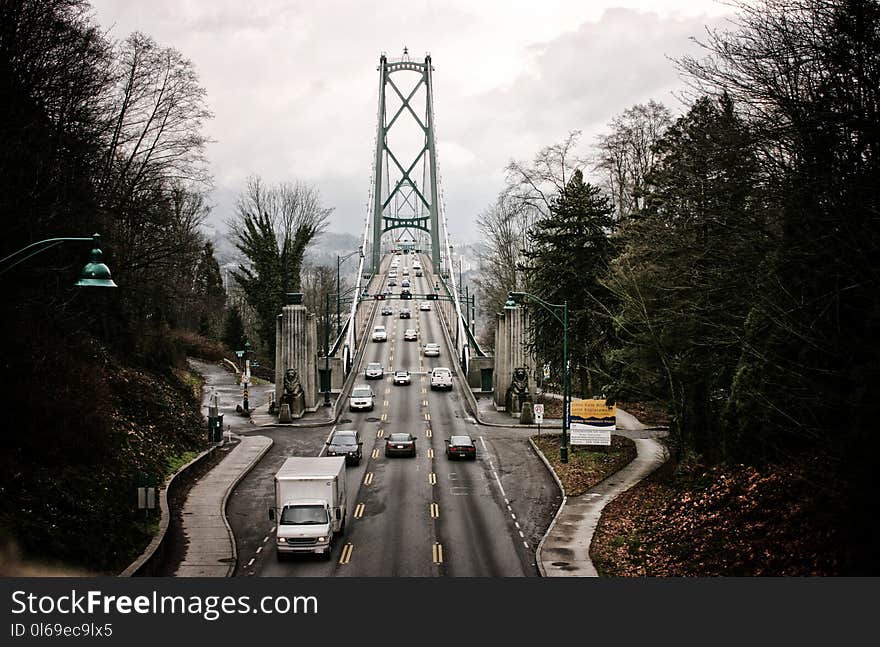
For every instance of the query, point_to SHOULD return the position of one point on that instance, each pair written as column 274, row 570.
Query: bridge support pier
column 296, row 347
column 511, row 335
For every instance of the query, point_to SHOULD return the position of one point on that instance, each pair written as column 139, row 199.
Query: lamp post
column 339, row 261
column 327, row 339
column 246, row 375
column 513, row 300
column 93, row 275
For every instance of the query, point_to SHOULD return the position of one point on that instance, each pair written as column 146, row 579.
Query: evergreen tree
column 209, row 292
column 568, row 255
column 274, row 227
column 686, row 273
column 233, row 329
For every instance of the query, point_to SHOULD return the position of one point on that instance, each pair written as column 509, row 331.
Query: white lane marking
column 494, row 473
column 526, row 544
column 516, row 523
column 259, row 549
column 513, row 516
column 521, row 535
column 265, row 539
column 252, row 561
column 324, row 448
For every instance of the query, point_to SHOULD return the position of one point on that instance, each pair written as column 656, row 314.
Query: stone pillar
column 296, row 347
column 511, row 336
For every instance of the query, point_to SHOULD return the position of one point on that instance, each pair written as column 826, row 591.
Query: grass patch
column 178, row 461
column 585, row 467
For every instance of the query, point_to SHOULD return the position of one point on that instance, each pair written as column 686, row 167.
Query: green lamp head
column 96, row 274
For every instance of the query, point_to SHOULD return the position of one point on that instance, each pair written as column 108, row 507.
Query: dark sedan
column 400, row 445
column 461, row 447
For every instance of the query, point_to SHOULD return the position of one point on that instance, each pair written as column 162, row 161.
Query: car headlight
column 322, row 540
column 280, row 540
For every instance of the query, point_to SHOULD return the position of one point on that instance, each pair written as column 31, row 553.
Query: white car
column 379, row 333
column 425, row 305
column 441, row 378
column 432, row 350
column 401, row 377
column 361, row 397
column 410, row 334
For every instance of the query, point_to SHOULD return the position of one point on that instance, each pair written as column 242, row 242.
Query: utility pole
column 327, row 348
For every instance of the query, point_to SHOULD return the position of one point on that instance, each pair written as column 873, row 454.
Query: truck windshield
column 303, row 515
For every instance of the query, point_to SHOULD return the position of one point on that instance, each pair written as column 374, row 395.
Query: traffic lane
column 478, row 533
column 392, row 536
column 533, row 494
column 367, row 424
column 247, row 508
column 345, row 554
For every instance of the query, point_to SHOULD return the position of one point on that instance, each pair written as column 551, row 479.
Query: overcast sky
column 294, row 87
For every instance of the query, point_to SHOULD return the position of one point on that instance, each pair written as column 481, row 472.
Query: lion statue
column 518, row 391
column 293, row 395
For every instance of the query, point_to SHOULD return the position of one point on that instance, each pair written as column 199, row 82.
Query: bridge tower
column 405, row 195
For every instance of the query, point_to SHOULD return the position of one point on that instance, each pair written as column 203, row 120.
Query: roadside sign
column 539, row 413
column 591, row 422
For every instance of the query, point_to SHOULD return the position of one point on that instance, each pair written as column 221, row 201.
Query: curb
column 236, row 481
column 550, row 469
column 164, row 519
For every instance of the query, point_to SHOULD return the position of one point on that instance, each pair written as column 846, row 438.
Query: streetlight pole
column 339, row 260
column 327, row 344
column 513, row 299
column 246, row 375
column 94, row 274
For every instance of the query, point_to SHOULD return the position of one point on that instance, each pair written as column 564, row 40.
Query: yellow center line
column 380, row 433
column 375, row 453
column 359, row 511
column 428, row 433
column 424, row 403
column 432, row 478
column 384, row 416
column 430, row 452
column 345, row 558
column 437, row 553
column 427, row 416
column 368, row 478
column 435, row 511
column 385, row 403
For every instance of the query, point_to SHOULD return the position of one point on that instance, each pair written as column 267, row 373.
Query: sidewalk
column 210, row 545
column 565, row 549
column 210, row 549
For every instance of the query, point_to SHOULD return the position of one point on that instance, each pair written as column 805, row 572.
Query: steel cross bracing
column 406, row 205
column 385, row 207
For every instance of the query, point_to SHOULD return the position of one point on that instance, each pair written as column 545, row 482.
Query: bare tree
column 272, row 228
column 534, row 185
column 626, row 154
column 155, row 110
column 504, row 229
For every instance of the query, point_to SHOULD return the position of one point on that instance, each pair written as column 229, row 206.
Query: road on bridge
column 424, row 516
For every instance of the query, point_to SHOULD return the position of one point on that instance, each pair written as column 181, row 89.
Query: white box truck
column 310, row 505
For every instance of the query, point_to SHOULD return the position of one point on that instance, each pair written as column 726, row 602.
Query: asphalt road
column 410, row 517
